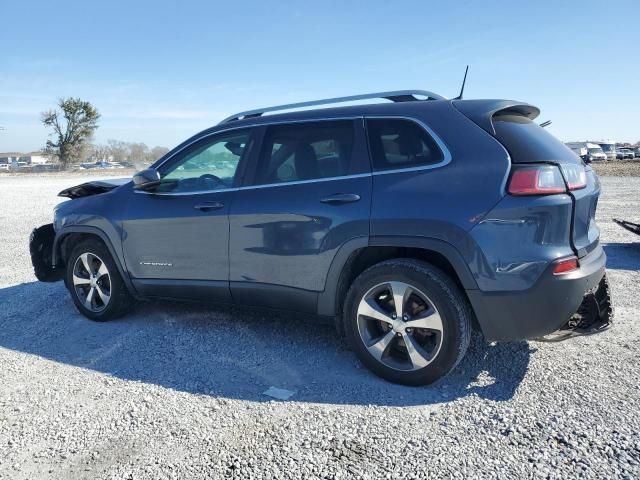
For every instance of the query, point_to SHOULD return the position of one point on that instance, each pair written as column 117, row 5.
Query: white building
column 35, row 158
column 9, row 157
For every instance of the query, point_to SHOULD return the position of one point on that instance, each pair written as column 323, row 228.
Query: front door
column 310, row 193
column 176, row 237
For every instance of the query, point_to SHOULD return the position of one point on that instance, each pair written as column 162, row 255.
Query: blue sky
column 159, row 71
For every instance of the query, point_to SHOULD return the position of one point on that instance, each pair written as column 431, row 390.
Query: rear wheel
column 95, row 284
column 407, row 321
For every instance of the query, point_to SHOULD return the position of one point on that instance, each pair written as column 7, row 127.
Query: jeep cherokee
column 407, row 222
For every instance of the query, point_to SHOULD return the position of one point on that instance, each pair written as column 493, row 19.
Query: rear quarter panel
column 446, row 202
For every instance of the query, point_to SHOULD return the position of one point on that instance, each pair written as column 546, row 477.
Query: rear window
column 397, row 143
column 526, row 141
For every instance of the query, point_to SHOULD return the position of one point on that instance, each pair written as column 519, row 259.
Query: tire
column 107, row 283
column 416, row 350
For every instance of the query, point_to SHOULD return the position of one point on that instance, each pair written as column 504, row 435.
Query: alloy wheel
column 400, row 326
column 92, row 282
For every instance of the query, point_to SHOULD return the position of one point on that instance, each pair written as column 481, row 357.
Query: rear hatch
column 528, row 143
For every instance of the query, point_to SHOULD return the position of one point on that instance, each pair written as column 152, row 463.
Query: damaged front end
column 594, row 315
column 94, row 187
column 41, row 250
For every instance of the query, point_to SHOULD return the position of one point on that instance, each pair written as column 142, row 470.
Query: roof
column 394, row 96
column 480, row 111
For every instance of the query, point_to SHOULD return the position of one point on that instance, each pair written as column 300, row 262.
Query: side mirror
column 146, row 179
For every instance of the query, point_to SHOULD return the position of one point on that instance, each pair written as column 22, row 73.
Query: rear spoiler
column 481, row 112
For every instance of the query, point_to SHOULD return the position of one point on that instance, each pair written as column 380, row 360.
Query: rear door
column 527, row 142
column 308, row 194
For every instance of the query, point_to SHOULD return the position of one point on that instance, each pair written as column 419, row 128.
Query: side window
column 210, row 165
column 397, row 143
column 305, row 151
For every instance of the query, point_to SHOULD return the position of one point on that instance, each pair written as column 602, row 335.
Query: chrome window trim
column 266, row 185
column 302, row 182
column 441, row 144
column 181, row 194
column 446, row 154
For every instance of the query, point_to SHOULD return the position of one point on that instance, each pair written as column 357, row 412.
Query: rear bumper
column 541, row 309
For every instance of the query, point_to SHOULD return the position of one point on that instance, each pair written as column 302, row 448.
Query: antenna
column 545, row 124
column 464, row 81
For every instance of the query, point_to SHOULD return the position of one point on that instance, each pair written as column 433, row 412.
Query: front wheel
column 95, row 284
column 407, row 321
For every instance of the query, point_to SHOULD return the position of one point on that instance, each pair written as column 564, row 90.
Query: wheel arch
column 359, row 254
column 69, row 236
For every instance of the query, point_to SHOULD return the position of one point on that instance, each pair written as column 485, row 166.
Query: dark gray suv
column 408, row 223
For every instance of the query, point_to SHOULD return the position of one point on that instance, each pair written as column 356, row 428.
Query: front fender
column 91, row 230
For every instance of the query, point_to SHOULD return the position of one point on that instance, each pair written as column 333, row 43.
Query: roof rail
column 394, row 96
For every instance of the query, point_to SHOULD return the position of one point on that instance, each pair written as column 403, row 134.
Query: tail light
column 575, row 175
column 546, row 179
column 536, row 180
column 565, row 266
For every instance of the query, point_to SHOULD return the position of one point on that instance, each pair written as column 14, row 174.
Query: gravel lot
column 618, row 168
column 175, row 391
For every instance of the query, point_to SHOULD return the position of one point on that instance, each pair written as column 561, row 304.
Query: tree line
column 73, row 123
column 117, row 151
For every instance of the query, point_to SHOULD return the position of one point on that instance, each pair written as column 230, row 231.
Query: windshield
column 607, row 147
column 595, row 150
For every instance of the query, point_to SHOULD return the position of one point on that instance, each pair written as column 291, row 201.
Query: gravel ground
column 175, row 391
column 618, row 168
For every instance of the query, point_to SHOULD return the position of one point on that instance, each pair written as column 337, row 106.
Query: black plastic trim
column 274, row 296
column 198, row 290
column 60, row 234
column 541, row 309
column 327, row 299
column 445, row 249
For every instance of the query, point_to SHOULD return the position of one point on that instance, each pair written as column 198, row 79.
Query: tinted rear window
column 526, row 141
column 397, row 143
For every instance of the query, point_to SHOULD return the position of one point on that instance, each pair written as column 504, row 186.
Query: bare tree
column 138, row 153
column 156, row 153
column 73, row 123
column 118, row 150
column 100, row 152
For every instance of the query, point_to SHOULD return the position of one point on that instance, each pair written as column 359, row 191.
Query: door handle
column 340, row 198
column 206, row 206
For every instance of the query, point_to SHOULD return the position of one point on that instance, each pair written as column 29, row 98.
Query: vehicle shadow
column 234, row 353
column 623, row 256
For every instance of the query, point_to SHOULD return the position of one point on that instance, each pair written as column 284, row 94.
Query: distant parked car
column 636, row 152
column 16, row 165
column 624, row 154
column 4, row 167
column 596, row 154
